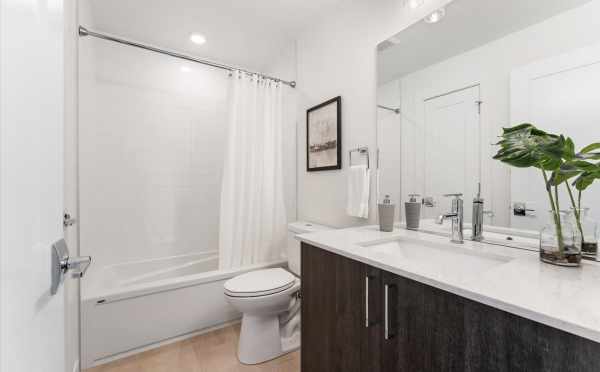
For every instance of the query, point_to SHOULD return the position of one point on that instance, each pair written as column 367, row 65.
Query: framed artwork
column 324, row 136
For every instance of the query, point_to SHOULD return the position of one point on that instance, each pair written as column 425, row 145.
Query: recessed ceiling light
column 185, row 69
column 436, row 16
column 414, row 4
column 198, row 39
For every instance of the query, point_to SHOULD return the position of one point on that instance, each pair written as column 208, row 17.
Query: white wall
column 490, row 66
column 336, row 56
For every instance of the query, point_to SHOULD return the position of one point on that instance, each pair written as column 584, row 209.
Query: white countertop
column 560, row 297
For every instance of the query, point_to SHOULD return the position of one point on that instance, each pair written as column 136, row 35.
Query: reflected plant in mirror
column 525, row 146
column 580, row 167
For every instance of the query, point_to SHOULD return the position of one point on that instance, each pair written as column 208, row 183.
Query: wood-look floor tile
column 212, row 352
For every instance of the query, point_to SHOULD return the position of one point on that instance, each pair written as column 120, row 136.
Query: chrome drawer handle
column 386, row 306
column 367, row 301
column 386, row 314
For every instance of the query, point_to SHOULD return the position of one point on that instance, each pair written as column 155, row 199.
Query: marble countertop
column 518, row 283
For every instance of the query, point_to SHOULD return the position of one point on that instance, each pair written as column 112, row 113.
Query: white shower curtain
column 252, row 217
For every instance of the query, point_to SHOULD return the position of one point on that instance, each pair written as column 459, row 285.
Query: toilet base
column 260, row 340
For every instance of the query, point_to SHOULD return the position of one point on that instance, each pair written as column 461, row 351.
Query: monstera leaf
column 587, row 153
column 574, row 165
column 587, row 177
column 526, row 146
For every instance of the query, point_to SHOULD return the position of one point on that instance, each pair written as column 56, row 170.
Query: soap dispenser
column 386, row 215
column 413, row 212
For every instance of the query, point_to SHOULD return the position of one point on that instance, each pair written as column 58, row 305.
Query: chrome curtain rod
column 85, row 32
column 395, row 110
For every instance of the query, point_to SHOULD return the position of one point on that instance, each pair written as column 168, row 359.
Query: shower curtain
column 253, row 222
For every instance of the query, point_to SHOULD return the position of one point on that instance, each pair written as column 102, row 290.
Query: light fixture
column 436, row 16
column 198, row 39
column 185, row 69
column 414, row 4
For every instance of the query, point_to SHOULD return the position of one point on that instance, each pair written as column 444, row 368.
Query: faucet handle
column 457, row 195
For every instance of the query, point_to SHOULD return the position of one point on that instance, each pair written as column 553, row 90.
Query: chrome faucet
column 456, row 214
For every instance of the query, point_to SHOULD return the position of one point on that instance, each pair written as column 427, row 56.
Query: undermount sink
column 437, row 260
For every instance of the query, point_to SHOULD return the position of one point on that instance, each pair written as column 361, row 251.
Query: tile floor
column 211, row 352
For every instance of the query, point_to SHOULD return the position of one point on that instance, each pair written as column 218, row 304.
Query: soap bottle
column 413, row 212
column 386, row 215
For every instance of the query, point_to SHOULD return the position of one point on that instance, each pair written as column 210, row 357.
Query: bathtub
column 132, row 307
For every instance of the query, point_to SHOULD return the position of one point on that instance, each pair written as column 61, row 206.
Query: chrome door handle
column 76, row 264
column 62, row 263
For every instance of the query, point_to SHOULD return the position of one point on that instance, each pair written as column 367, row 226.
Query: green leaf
column 564, row 173
column 569, row 150
column 526, row 146
column 589, row 156
column 590, row 148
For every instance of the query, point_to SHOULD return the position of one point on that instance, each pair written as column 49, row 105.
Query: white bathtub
column 131, row 307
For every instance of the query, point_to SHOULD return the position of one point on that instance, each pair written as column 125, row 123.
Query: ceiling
column 243, row 33
column 467, row 25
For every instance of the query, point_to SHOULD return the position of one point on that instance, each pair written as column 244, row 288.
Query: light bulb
column 198, row 39
column 436, row 16
column 414, row 4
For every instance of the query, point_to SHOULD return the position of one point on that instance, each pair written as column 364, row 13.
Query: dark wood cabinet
column 335, row 312
column 359, row 318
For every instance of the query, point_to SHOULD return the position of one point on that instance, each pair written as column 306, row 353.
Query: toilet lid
column 259, row 283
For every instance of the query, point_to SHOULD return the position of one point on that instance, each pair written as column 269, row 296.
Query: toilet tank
column 293, row 245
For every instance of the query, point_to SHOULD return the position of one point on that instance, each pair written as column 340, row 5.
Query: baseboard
column 158, row 344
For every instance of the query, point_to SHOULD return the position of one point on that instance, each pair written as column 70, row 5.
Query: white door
column 31, row 184
column 560, row 95
column 451, row 149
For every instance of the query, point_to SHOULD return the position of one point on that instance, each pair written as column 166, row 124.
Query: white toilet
column 268, row 300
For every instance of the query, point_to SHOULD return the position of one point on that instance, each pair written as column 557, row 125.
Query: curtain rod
column 395, row 110
column 86, row 32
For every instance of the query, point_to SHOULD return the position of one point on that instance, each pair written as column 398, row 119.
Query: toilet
column 270, row 304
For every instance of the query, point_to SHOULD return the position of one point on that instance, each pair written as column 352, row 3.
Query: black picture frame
column 337, row 101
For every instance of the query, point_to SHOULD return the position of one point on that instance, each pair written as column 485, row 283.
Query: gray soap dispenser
column 413, row 212
column 386, row 215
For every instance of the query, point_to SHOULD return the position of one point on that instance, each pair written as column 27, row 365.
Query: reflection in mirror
column 446, row 89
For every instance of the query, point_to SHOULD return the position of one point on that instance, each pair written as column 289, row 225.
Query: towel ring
column 362, row 151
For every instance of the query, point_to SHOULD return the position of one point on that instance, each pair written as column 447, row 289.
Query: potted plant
column 525, row 146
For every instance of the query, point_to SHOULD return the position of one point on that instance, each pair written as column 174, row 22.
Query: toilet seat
column 259, row 283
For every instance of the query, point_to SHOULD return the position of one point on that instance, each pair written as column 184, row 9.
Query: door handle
column 62, row 263
column 386, row 308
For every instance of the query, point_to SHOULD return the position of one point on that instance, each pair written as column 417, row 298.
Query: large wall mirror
column 447, row 85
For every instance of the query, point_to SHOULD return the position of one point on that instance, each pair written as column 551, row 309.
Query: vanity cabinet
column 359, row 318
column 338, row 299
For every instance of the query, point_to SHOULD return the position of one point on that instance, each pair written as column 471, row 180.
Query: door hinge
column 68, row 220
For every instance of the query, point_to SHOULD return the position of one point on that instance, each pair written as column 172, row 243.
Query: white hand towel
column 359, row 181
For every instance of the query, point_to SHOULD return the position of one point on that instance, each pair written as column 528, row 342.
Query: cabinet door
column 423, row 327
column 334, row 313
column 430, row 330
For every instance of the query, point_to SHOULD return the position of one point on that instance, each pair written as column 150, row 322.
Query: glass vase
column 588, row 230
column 559, row 243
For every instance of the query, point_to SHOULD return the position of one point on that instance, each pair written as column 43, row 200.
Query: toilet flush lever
column 61, row 264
